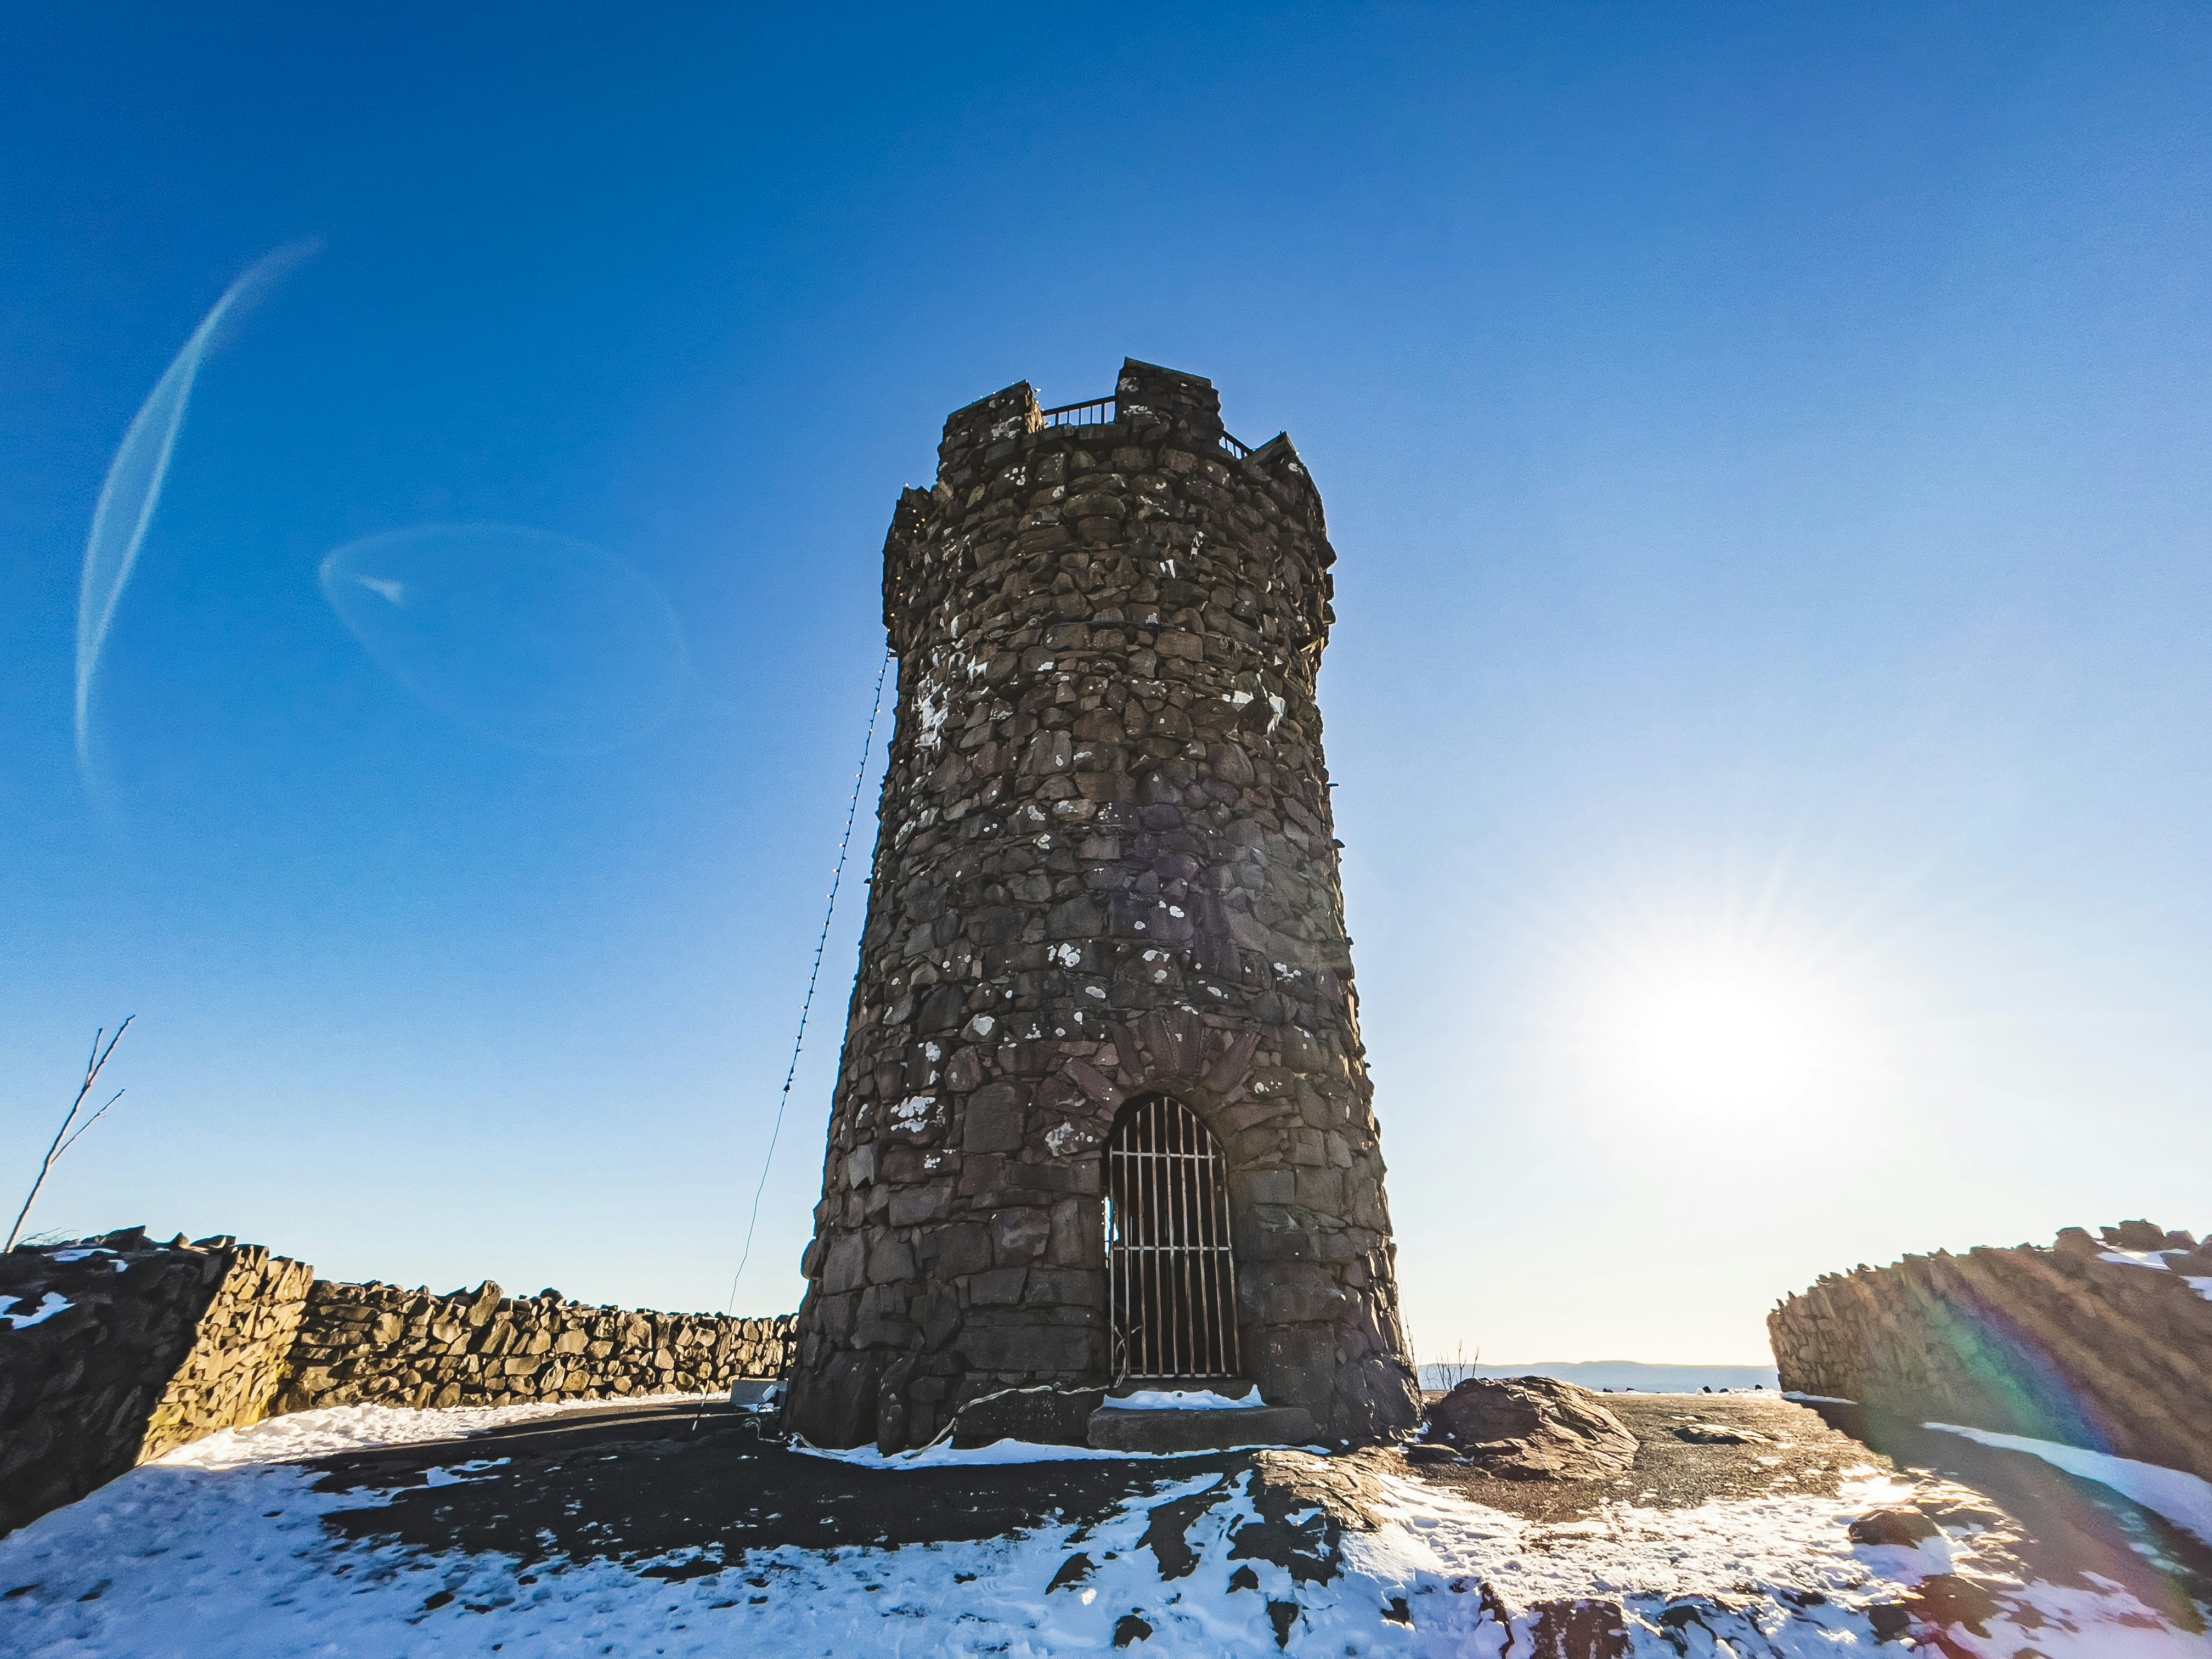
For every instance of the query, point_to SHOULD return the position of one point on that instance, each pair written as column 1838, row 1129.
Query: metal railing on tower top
column 1104, row 411
column 1097, row 411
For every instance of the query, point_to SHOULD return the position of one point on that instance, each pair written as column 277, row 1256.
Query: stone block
column 994, row 1120
column 1000, row 1287
column 966, row 1070
column 1026, row 1349
column 846, row 1267
column 835, row 1405
column 1078, row 918
column 1065, row 1287
column 981, row 1173
column 1291, row 1293
column 1320, row 1187
column 1265, row 1186
column 1276, row 1235
column 1021, row 1235
column 915, row 1206
column 1041, row 1179
column 956, row 1248
column 1297, row 1364
column 1043, row 1415
column 890, row 1259
column 881, row 1330
column 942, row 1010
column 1078, row 1238
column 1171, row 1432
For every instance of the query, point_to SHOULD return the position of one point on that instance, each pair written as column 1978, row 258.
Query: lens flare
column 535, row 640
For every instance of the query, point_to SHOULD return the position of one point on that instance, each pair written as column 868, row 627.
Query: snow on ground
column 943, row 1454
column 220, row 1552
column 2184, row 1499
column 334, row 1429
column 1774, row 1575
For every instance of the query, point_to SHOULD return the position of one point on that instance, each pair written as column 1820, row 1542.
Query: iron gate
column 1173, row 1277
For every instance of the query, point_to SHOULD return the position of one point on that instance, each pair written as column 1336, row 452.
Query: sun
column 1727, row 1040
column 1708, row 1006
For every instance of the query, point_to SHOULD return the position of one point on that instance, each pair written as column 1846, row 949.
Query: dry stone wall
column 117, row 1350
column 2101, row 1343
column 1105, row 864
column 237, row 1362
column 379, row 1344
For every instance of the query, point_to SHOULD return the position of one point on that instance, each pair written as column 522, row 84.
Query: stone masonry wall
column 239, row 1356
column 116, row 1350
column 1105, row 864
column 2101, row 1344
column 379, row 1343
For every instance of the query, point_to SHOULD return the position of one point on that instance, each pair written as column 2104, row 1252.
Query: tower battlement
column 1105, row 944
column 1002, row 461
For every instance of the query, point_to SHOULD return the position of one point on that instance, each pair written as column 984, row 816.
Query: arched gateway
column 1170, row 1268
column 1103, row 1110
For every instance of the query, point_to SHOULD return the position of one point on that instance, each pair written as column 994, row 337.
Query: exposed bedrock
column 1105, row 867
column 1532, row 1428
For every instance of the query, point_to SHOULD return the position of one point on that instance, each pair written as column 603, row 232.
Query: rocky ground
column 1745, row 1525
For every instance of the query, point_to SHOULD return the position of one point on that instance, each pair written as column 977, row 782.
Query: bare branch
column 88, row 1123
column 94, row 1063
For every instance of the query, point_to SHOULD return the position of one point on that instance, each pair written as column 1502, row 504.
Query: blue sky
column 1767, row 451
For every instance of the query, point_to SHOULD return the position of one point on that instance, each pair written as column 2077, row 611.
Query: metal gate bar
column 1171, row 1271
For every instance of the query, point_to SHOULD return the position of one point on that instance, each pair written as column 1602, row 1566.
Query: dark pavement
column 633, row 1484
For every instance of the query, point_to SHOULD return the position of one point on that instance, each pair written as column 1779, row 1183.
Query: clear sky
column 1767, row 450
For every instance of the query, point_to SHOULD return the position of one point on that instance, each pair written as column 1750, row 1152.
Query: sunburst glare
column 1731, row 1041
column 1714, row 1009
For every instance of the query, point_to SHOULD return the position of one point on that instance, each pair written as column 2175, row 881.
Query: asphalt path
column 628, row 1484
column 683, row 1491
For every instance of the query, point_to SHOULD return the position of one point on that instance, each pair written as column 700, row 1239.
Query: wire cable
column 806, row 1007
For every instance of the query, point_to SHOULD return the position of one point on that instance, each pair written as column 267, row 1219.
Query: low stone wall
column 2103, row 1343
column 376, row 1342
column 236, row 1364
column 116, row 1350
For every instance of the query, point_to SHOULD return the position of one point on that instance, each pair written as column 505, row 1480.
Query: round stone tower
column 1103, row 1112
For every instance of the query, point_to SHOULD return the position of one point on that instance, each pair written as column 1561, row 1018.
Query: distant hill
column 1618, row 1373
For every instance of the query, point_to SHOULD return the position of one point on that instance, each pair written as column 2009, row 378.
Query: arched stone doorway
column 1171, row 1270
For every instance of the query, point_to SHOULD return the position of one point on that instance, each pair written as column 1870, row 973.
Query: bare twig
column 1453, row 1370
column 89, row 1121
column 62, row 1138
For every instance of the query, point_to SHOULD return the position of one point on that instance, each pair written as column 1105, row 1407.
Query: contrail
column 133, row 485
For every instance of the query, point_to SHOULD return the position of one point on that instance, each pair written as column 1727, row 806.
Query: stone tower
column 1105, row 896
